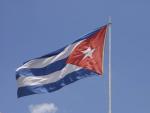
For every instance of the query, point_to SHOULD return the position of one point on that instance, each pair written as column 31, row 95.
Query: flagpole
column 109, row 78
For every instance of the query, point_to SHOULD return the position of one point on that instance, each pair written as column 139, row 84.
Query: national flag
column 80, row 59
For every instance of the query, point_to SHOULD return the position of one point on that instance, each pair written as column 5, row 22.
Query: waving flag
column 83, row 58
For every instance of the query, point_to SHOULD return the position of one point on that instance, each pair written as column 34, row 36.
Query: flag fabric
column 80, row 59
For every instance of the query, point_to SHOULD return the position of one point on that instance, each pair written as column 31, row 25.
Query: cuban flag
column 80, row 59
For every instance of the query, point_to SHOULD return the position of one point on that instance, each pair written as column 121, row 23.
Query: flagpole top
column 109, row 20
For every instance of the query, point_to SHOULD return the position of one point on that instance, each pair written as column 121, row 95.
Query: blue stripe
column 58, row 65
column 68, row 79
column 53, row 53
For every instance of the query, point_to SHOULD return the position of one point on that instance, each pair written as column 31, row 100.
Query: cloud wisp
column 43, row 108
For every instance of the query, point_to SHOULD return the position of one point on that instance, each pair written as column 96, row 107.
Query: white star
column 88, row 52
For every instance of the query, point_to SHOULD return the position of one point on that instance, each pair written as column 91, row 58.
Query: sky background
column 31, row 28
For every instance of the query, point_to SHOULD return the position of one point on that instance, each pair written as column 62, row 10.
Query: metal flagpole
column 109, row 78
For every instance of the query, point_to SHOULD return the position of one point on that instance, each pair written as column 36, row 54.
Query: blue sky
column 31, row 28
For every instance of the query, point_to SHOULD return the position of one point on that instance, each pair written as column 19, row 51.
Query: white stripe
column 50, row 78
column 39, row 63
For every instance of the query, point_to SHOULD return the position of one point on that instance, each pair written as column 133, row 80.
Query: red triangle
column 96, row 43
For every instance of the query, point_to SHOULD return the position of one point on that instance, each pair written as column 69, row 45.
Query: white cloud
column 43, row 108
